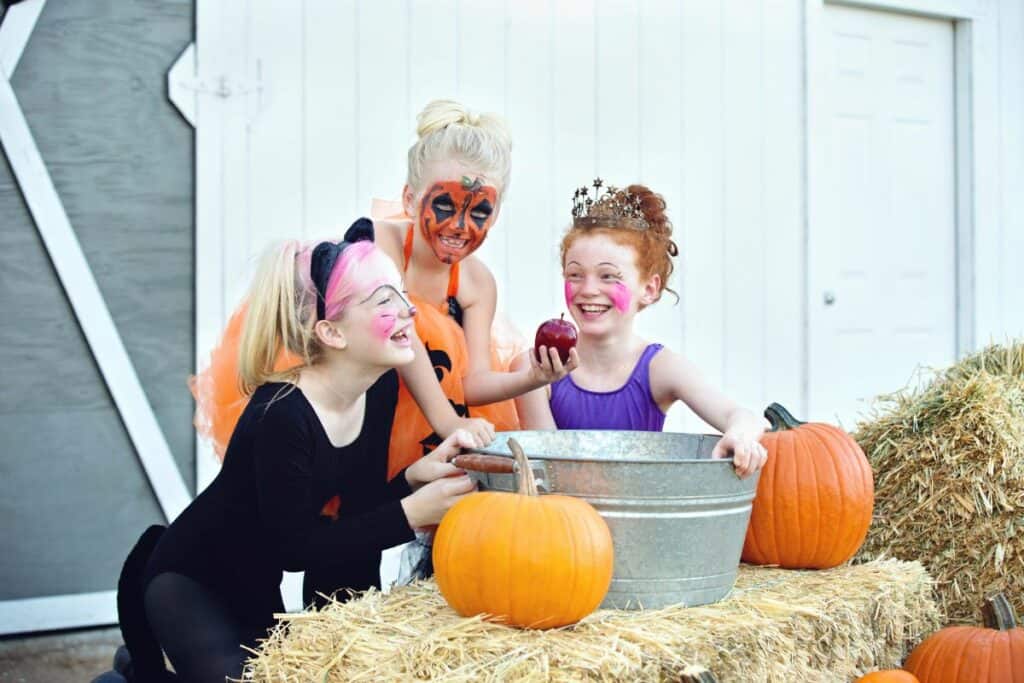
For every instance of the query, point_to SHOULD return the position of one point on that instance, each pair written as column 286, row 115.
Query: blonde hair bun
column 448, row 129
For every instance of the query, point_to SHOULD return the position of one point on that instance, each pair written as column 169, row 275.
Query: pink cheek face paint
column 570, row 292
column 620, row 296
column 383, row 325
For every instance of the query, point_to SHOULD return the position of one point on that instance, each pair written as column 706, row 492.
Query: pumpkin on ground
column 889, row 676
column 814, row 497
column 972, row 654
column 523, row 559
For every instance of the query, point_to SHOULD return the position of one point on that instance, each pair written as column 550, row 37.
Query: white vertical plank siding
column 481, row 71
column 433, row 51
column 743, row 223
column 986, row 151
column 617, row 91
column 660, row 157
column 701, row 214
column 385, row 126
column 277, row 163
column 532, row 283
column 236, row 62
column 781, row 222
column 573, row 128
column 329, row 130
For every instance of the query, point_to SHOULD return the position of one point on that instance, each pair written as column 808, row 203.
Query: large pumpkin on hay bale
column 970, row 654
column 523, row 559
column 814, row 497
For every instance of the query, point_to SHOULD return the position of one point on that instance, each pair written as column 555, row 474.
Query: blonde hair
column 282, row 308
column 448, row 130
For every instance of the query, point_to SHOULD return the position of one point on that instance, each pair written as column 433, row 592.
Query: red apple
column 556, row 333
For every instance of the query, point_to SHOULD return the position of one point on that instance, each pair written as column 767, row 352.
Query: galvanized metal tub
column 677, row 517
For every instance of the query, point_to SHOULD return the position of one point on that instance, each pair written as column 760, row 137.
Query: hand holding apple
column 557, row 333
column 554, row 354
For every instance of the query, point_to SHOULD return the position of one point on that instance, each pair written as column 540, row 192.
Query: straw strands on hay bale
column 777, row 625
column 948, row 460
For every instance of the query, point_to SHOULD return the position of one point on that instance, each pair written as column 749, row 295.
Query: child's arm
column 673, row 378
column 482, row 385
column 534, row 407
column 419, row 377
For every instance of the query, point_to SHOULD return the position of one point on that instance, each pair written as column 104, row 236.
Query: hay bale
column 948, row 459
column 777, row 625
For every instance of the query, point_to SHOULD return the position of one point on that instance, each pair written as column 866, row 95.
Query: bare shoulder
column 671, row 374
column 476, row 282
column 668, row 361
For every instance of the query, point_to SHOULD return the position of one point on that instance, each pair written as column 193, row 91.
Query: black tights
column 200, row 634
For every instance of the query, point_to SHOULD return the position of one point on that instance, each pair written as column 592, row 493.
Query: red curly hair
column 654, row 248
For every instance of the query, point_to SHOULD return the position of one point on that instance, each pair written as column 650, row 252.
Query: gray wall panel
column 92, row 84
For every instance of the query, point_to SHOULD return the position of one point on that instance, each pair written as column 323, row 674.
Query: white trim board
column 58, row 611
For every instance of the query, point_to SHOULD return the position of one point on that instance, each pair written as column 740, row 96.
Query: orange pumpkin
column 889, row 676
column 523, row 559
column 814, row 497
column 971, row 654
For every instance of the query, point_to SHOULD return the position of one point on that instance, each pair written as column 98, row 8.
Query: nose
column 589, row 286
column 410, row 311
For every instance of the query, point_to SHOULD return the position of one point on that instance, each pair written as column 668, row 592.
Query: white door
column 881, row 252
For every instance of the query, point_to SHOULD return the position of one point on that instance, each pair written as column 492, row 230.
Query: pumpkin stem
column 781, row 418
column 697, row 674
column 998, row 613
column 527, row 484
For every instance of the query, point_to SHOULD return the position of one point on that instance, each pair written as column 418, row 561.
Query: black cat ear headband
column 326, row 255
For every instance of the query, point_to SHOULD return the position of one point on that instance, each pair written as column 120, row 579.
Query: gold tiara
column 607, row 207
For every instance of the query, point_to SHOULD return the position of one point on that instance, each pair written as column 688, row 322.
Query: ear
column 652, row 290
column 328, row 334
column 409, row 201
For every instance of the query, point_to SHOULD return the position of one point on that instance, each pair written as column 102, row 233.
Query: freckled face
column 602, row 284
column 455, row 215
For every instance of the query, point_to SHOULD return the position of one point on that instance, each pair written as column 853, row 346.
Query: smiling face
column 378, row 325
column 603, row 287
column 455, row 210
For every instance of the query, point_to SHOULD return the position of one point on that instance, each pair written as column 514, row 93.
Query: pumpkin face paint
column 455, row 216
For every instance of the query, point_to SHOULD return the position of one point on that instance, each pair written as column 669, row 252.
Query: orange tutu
column 218, row 388
column 412, row 436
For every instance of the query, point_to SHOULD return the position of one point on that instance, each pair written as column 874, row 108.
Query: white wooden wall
column 313, row 110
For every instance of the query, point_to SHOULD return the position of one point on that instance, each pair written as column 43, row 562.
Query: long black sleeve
column 283, row 456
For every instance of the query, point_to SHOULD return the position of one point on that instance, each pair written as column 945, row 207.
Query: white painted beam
column 180, row 84
column 17, row 26
column 57, row 612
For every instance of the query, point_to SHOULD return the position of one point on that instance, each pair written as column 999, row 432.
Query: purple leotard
column 628, row 407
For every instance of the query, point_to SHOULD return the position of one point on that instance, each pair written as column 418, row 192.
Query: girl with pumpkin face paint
column 616, row 261
column 457, row 171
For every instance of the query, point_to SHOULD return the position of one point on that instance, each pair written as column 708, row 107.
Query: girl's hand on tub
column 748, row 455
column 428, row 505
column 435, row 465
